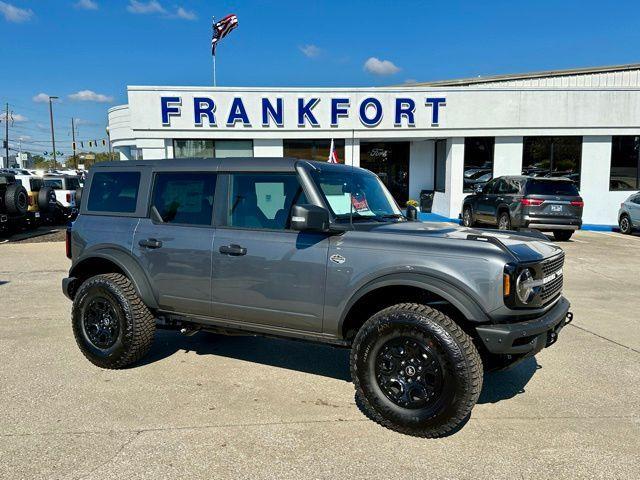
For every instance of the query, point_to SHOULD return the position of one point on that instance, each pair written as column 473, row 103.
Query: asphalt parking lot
column 241, row 407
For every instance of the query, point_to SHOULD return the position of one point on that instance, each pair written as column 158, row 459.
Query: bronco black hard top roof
column 235, row 164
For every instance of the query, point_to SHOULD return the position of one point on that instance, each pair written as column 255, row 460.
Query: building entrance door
column 390, row 161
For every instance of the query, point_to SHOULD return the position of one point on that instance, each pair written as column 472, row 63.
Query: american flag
column 333, row 154
column 221, row 29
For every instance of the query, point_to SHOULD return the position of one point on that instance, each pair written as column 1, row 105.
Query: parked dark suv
column 311, row 251
column 14, row 202
column 512, row 202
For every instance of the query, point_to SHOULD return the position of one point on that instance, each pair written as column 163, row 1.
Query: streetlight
column 53, row 137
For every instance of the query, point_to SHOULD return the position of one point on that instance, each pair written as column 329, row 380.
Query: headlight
column 525, row 285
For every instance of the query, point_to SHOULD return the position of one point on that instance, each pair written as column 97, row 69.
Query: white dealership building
column 438, row 136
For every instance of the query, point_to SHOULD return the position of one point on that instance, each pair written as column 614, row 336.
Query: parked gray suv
column 545, row 204
column 310, row 251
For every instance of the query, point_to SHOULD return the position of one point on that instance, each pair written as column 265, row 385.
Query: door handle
column 150, row 243
column 233, row 250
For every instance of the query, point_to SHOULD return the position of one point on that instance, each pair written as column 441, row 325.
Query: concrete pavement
column 218, row 407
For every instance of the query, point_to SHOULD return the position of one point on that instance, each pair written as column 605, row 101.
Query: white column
column 352, row 151
column 454, row 179
column 268, row 147
column 421, row 168
column 600, row 205
column 168, row 145
column 507, row 156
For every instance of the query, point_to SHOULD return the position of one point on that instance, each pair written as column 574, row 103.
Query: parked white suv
column 65, row 187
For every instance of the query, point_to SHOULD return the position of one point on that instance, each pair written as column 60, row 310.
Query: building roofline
column 525, row 76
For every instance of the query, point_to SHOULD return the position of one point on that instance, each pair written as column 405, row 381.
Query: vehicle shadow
column 304, row 357
column 505, row 384
column 313, row 358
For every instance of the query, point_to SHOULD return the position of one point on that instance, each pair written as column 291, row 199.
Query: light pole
column 53, row 136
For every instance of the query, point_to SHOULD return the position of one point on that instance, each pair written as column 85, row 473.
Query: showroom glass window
column 263, row 201
column 184, row 198
column 478, row 161
column 625, row 163
column 114, row 192
column 552, row 157
column 313, row 149
column 440, row 165
column 195, row 148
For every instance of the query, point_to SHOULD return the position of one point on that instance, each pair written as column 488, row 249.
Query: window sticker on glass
column 359, row 202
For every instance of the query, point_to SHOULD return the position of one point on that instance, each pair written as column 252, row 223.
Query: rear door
column 176, row 253
column 264, row 272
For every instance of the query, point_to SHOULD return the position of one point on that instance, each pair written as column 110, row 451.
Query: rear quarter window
column 114, row 192
column 542, row 187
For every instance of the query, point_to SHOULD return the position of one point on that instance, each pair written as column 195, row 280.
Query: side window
column 636, row 199
column 185, row 198
column 113, row 192
column 490, row 187
column 263, row 201
column 55, row 183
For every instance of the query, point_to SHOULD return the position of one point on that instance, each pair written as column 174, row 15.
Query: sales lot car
column 629, row 214
column 65, row 187
column 42, row 200
column 14, row 203
column 512, row 202
column 317, row 252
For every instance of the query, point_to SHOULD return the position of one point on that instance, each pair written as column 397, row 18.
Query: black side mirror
column 309, row 218
column 412, row 213
column 478, row 188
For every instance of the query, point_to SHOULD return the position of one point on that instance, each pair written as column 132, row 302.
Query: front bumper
column 529, row 337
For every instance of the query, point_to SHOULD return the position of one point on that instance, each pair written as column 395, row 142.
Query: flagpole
column 214, row 70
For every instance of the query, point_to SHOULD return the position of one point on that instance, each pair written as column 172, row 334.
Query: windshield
column 551, row 187
column 358, row 192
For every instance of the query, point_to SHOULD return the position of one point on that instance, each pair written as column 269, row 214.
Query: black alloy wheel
column 101, row 325
column 409, row 373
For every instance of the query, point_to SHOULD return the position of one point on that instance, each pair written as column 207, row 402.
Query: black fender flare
column 130, row 267
column 460, row 299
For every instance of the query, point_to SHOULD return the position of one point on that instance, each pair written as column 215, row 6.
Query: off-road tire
column 562, row 235
column 504, row 221
column 461, row 364
column 78, row 197
column 46, row 199
column 467, row 217
column 625, row 224
column 136, row 323
column 16, row 199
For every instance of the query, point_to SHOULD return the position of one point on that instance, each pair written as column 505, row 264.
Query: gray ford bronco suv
column 310, row 251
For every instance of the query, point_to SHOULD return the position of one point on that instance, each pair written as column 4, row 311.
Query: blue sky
column 88, row 51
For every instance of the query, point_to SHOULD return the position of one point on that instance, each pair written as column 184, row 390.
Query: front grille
column 552, row 289
column 552, row 265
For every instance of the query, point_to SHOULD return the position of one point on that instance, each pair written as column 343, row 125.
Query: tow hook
column 189, row 331
column 569, row 318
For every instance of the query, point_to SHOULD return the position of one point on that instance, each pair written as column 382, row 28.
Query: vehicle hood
column 525, row 246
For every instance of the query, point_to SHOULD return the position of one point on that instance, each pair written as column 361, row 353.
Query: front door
column 263, row 272
column 486, row 203
column 390, row 162
column 176, row 252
